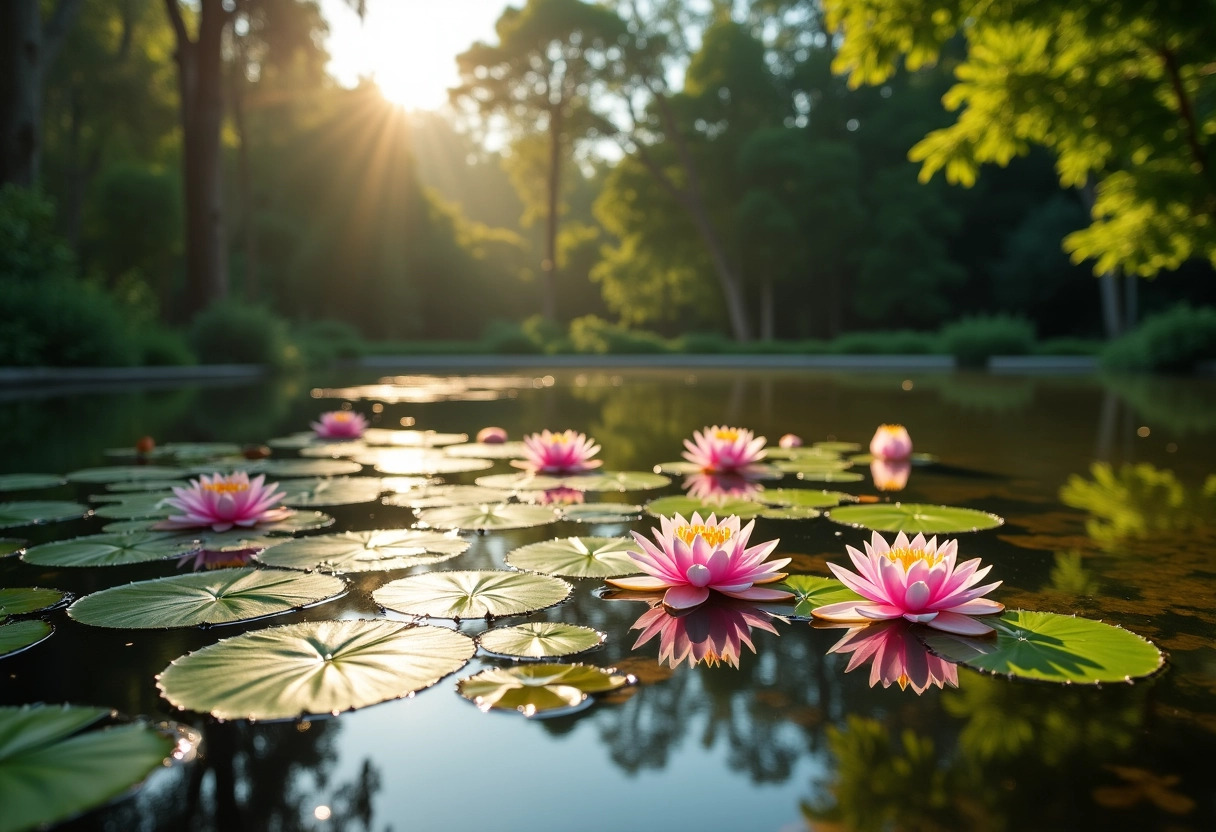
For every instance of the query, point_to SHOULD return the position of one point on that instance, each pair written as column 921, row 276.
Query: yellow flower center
column 713, row 535
column 342, row 416
column 907, row 557
column 559, row 439
column 890, row 428
column 226, row 487
column 727, row 434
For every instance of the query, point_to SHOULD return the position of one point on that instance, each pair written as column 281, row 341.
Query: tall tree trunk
column 548, row 266
column 250, row 287
column 1131, row 301
column 767, row 312
column 1108, row 290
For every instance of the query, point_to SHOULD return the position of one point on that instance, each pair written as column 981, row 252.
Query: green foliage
column 324, row 341
column 62, row 322
column 231, row 332
column 972, row 340
column 30, row 248
column 1172, row 341
column 160, row 347
column 1068, row 346
column 590, row 334
column 897, row 342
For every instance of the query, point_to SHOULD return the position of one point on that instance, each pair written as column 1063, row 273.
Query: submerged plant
column 713, row 632
column 717, row 450
column 895, row 656
column 340, row 424
column 891, row 442
column 692, row 558
column 223, row 501
column 917, row 581
column 568, row 452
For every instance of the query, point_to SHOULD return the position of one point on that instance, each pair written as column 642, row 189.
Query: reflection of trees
column 1178, row 405
column 1138, row 501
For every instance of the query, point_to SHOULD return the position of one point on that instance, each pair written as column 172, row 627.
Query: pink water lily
column 890, row 474
column 720, row 449
column 895, row 656
column 568, row 452
column 692, row 558
column 917, row 581
column 891, row 442
column 713, row 632
column 222, row 502
column 340, row 424
column 717, row 488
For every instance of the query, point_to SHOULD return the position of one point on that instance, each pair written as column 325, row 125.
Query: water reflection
column 890, row 475
column 718, row 488
column 895, row 656
column 1137, row 502
column 715, row 631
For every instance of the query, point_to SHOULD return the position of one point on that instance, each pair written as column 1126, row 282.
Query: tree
column 537, row 79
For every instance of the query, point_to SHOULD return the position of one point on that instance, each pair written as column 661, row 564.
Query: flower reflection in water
column 896, row 656
column 218, row 558
column 713, row 632
column 890, row 475
column 718, row 488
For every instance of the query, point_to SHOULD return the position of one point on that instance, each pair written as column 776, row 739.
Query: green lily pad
column 791, row 513
column 540, row 640
column 297, row 521
column 371, row 551
column 915, row 459
column 16, row 636
column 520, row 481
column 669, row 506
column 813, row 465
column 294, row 441
column 488, row 450
column 772, row 454
column 601, row 512
column 538, row 689
column 222, row 596
column 837, row 447
column 199, row 450
column 578, row 557
column 472, row 594
column 435, row 496
column 419, row 462
column 20, row 600
column 830, row 476
column 616, row 481
column 144, row 485
column 811, row 591
column 486, row 517
column 29, row 482
column 134, row 507
column 330, row 491
column 125, row 473
column 914, row 517
column 52, row 769
column 12, row 546
column 1051, row 648
column 111, row 549
column 333, row 450
column 412, row 438
column 310, row 467
column 803, row 497
column 36, row 512
column 318, row 667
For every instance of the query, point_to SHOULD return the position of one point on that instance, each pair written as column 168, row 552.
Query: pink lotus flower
column 895, row 656
column 721, row 487
column 790, row 440
column 340, row 424
column 890, row 475
column 914, row 580
column 713, row 632
column 561, row 496
column 568, row 452
column 692, row 558
column 718, row 450
column 891, row 442
column 491, row 436
column 222, row 502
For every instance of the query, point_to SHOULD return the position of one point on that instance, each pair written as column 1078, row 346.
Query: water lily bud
column 891, row 442
column 790, row 440
column 255, row 452
column 145, row 445
column 492, row 436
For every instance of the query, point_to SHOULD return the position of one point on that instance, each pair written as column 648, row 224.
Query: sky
column 410, row 46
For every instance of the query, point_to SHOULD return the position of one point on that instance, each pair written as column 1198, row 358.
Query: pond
column 1107, row 493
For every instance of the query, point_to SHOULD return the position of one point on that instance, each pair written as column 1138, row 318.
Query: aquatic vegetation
column 568, row 452
column 915, row 580
column 891, row 442
column 693, row 557
column 721, row 449
column 790, row 440
column 713, row 632
column 895, row 656
column 340, row 424
column 223, row 501
column 207, row 559
column 491, row 435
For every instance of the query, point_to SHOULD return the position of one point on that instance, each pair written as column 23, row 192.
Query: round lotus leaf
column 134, row 507
column 771, row 454
column 811, row 591
column 230, row 465
column 111, row 549
column 400, row 485
column 1051, row 648
column 578, row 557
column 222, row 596
column 236, row 539
column 198, row 450
column 318, row 667
column 330, row 491
column 616, row 481
column 125, row 473
column 790, row 513
column 333, row 450
column 487, row 517
column 20, row 600
column 143, row 485
column 837, row 447
column 914, row 517
column 540, row 640
column 669, row 506
column 521, row 481
column 12, row 546
column 51, row 768
column 294, row 441
column 757, row 471
column 813, row 465
column 915, row 459
column 601, row 512
column 29, row 482
column 538, row 689
column 310, row 467
column 35, row 512
column 830, row 476
column 448, row 495
column 297, row 521
column 488, row 450
column 472, row 594
column 412, row 438
column 371, row 551
column 803, row 497
column 16, row 636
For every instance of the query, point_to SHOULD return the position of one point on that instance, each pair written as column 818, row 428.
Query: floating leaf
column 222, row 596
column 472, row 594
column 488, row 450
column 811, row 591
column 371, row 551
column 830, row 476
column 293, row 441
column 538, row 689
column 199, row 450
column 34, row 512
column 771, row 454
column 616, row 481
column 837, row 447
column 757, row 471
column 420, row 462
column 578, row 557
column 29, row 482
column 138, row 507
column 448, row 495
column 540, row 640
column 125, row 473
column 12, row 546
column 1051, row 648
column 318, row 667
column 484, row 517
column 791, row 513
column 50, row 771
column 601, row 512
column 523, row 480
column 915, row 459
column 111, row 549
column 326, row 491
column 914, row 517
column 813, row 465
column 802, row 497
column 400, row 485
column 669, row 506
column 334, row 450
column 20, row 600
column 144, row 485
column 16, row 636
column 310, row 467
column 412, row 438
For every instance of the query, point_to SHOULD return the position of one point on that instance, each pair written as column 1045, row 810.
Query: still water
column 787, row 741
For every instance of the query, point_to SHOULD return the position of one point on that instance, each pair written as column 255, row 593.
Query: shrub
column 1173, row 341
column 701, row 343
column 1068, row 346
column 29, row 247
column 159, row 347
column 508, row 337
column 973, row 340
column 591, row 334
column 895, row 342
column 322, row 342
column 62, row 322
column 230, row 332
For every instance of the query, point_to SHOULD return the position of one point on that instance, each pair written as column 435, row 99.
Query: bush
column 30, row 249
column 62, row 322
column 230, row 332
column 323, row 342
column 897, row 342
column 701, row 343
column 508, row 337
column 1173, row 341
column 1068, row 346
column 159, row 347
column 591, row 334
column 973, row 340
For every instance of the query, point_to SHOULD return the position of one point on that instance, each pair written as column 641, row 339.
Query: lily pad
column 12, row 546
column 223, row 596
column 837, row 447
column 16, row 636
column 134, row 507
column 20, row 600
column 791, row 513
column 486, row 517
column 540, row 640
column 293, row 441
column 521, row 481
column 144, row 485
column 36, row 512
column 538, row 689
column 111, row 549
column 412, row 438
column 616, row 481
column 811, row 591
column 310, row 467
column 915, row 459
column 400, row 485
column 435, row 496
column 371, row 551
column 199, row 450
column 914, row 517
column 472, row 594
column 333, row 450
column 803, row 497
column 813, row 465
column 29, row 482
column 125, row 473
column 601, row 512
column 318, row 667
column 419, row 462
column 668, row 506
column 488, row 450
column 1051, row 648
column 330, row 491
column 51, row 768
column 830, row 476
column 578, row 557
